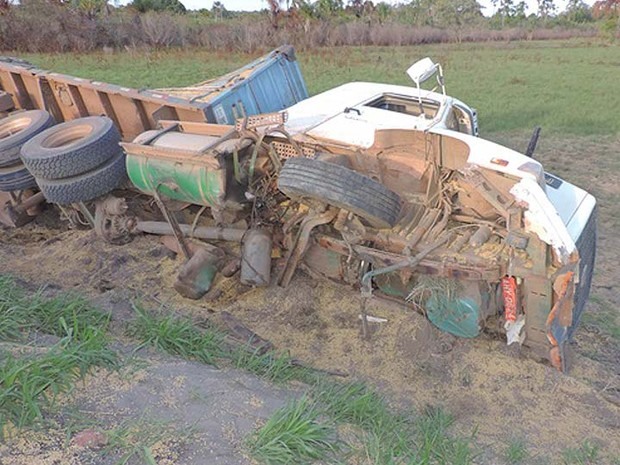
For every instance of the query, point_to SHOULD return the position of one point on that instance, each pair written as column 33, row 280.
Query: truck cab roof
column 350, row 113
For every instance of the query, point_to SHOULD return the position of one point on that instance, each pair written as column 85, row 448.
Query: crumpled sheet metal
column 561, row 315
column 541, row 218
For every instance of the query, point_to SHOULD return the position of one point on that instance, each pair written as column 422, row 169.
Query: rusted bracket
column 296, row 253
column 172, row 221
column 486, row 189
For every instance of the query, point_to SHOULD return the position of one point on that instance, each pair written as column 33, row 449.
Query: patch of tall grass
column 178, row 336
column 295, row 434
column 31, row 383
column 22, row 313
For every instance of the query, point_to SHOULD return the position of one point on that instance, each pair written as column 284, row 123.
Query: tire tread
column 86, row 186
column 72, row 162
column 341, row 187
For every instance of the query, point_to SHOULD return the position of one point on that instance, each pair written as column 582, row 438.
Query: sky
column 251, row 5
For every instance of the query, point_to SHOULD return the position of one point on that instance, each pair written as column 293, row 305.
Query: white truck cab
column 546, row 221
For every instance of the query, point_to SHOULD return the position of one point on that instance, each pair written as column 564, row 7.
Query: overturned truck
column 384, row 188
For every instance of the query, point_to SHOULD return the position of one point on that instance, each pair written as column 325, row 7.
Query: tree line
column 84, row 25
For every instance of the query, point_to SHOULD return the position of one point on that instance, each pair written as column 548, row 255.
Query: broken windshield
column 405, row 104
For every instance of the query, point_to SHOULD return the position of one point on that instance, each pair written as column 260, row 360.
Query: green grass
column 180, row 337
column 31, row 384
column 305, row 430
column 384, row 435
column 436, row 445
column 177, row 336
column 516, row 452
column 133, row 440
column 275, row 367
column 586, row 454
column 563, row 86
column 352, row 403
column 605, row 317
column 21, row 314
column 294, row 434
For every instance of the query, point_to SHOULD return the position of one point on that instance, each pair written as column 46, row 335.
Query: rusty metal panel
column 454, row 153
column 7, row 83
column 537, row 302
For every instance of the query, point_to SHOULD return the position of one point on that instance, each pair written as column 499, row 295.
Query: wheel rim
column 16, row 126
column 66, row 137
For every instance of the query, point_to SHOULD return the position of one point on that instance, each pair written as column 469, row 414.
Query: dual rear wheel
column 70, row 162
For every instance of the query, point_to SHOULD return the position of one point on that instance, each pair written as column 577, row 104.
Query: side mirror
column 422, row 70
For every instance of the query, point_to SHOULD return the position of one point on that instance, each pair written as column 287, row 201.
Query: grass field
column 564, row 86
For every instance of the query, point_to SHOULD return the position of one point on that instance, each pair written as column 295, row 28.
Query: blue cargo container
column 268, row 84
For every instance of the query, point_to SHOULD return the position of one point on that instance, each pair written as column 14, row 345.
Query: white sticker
column 220, row 115
column 513, row 330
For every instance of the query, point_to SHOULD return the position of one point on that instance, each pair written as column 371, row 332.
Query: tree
column 609, row 12
column 505, row 9
column 357, row 7
column 274, row 12
column 304, row 7
column 457, row 13
column 219, row 11
column 382, row 10
column 174, row 6
column 577, row 11
column 606, row 9
column 519, row 11
column 327, row 8
column 420, row 12
column 546, row 8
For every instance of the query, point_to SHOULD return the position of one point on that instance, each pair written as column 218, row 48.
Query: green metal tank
column 174, row 165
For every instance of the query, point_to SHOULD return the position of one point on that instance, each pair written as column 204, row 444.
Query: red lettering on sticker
column 509, row 292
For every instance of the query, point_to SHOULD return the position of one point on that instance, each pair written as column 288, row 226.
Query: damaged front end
column 457, row 227
column 478, row 244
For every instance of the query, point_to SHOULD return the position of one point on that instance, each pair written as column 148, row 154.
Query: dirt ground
column 497, row 392
column 185, row 412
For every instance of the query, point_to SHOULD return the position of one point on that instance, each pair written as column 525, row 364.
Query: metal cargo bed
column 271, row 83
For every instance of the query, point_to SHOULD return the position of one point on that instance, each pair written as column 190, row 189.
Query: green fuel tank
column 176, row 165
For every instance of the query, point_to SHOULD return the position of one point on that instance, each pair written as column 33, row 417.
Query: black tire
column 341, row 187
column 85, row 186
column 72, row 148
column 17, row 129
column 15, row 178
